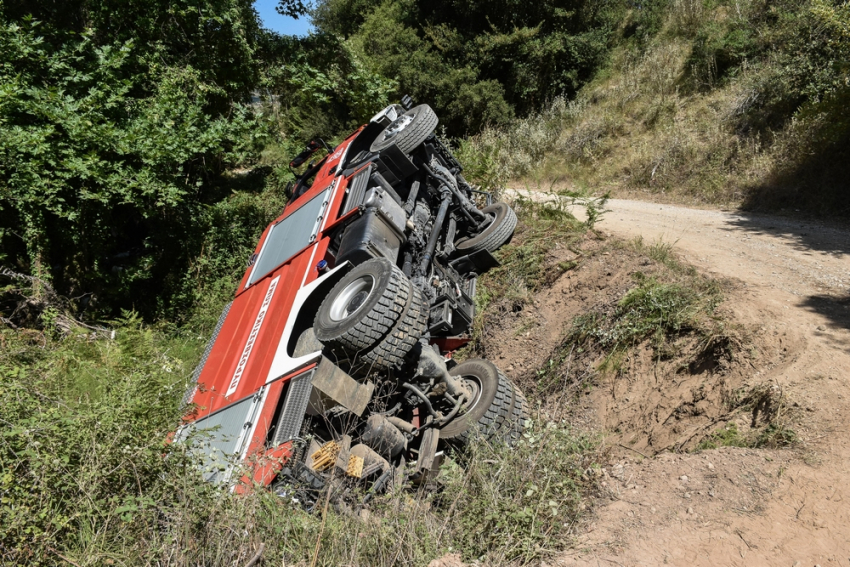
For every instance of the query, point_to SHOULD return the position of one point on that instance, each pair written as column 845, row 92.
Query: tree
column 116, row 118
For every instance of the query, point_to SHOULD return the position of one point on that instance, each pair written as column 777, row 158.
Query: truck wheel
column 494, row 235
column 495, row 408
column 363, row 307
column 513, row 427
column 407, row 131
column 392, row 352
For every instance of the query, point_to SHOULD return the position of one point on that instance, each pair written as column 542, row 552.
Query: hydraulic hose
column 467, row 207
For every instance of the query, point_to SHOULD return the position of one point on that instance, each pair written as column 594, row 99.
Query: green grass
column 88, row 480
column 653, row 310
column 769, row 421
column 771, row 436
column 715, row 102
column 667, row 303
column 728, row 436
column 526, row 263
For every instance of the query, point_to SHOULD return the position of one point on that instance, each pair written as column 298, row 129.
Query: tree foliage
column 119, row 119
column 321, row 87
column 116, row 118
column 477, row 62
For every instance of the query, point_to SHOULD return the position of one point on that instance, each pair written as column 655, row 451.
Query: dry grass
column 663, row 118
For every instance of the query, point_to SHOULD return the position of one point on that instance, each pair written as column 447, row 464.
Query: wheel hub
column 356, row 301
column 352, row 298
column 397, row 126
column 474, row 389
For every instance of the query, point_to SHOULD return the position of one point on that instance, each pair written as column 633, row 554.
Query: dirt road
column 743, row 506
column 799, row 258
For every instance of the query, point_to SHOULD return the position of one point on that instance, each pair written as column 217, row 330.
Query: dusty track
column 735, row 506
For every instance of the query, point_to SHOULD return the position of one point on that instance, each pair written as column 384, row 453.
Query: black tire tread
column 408, row 139
column 495, row 239
column 488, row 423
column 393, row 350
column 377, row 323
column 519, row 414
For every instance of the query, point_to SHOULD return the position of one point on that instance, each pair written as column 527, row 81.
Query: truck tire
column 392, row 352
column 407, row 131
column 495, row 235
column 493, row 411
column 363, row 307
column 515, row 424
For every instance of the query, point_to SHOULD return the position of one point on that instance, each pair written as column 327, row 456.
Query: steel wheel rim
column 397, row 126
column 475, row 385
column 352, row 298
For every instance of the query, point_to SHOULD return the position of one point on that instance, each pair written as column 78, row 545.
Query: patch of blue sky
column 281, row 24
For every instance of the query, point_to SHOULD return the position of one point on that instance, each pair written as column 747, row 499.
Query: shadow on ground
column 836, row 309
column 829, row 237
column 814, row 180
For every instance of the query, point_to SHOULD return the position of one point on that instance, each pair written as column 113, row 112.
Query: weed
column 87, row 478
column 769, row 427
column 661, row 252
column 525, row 266
column 728, row 436
column 715, row 102
column 775, row 435
column 652, row 310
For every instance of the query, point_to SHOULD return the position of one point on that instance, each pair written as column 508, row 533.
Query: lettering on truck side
column 255, row 330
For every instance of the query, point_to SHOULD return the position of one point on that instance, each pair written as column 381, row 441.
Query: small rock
column 687, row 494
column 684, row 478
column 710, row 467
column 821, row 328
column 690, row 510
column 652, row 509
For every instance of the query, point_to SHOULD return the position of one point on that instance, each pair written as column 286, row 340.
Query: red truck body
column 254, row 362
column 337, row 346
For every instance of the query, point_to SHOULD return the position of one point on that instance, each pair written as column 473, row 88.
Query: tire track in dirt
column 739, row 506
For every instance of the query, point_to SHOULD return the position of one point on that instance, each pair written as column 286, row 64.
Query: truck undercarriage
column 332, row 367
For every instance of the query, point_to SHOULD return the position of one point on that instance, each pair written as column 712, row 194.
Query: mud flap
column 335, row 385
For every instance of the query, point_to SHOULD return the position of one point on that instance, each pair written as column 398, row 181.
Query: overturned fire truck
column 333, row 362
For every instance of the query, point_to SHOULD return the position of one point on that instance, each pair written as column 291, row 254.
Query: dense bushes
column 86, row 477
column 481, row 62
column 120, row 120
column 117, row 122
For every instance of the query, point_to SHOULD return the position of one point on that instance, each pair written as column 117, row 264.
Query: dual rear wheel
column 375, row 314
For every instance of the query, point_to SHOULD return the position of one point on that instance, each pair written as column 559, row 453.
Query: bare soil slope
column 786, row 283
column 740, row 506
